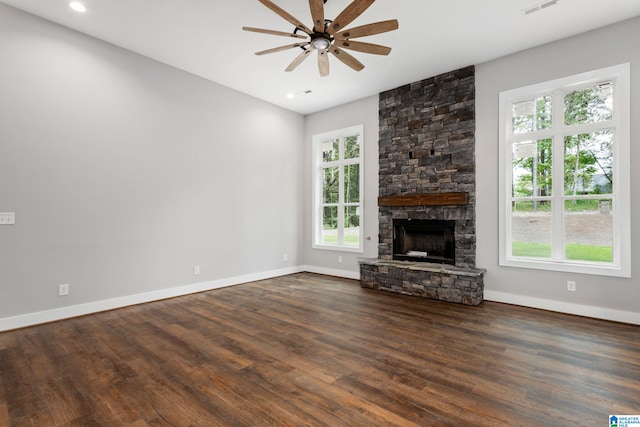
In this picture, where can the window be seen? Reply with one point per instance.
(565, 174)
(338, 189)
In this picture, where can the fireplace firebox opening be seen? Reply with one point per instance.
(424, 240)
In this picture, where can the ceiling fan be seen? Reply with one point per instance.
(328, 36)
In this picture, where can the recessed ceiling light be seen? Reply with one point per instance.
(291, 95)
(77, 6)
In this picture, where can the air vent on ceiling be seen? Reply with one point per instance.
(539, 6)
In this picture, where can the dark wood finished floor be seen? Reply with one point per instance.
(308, 350)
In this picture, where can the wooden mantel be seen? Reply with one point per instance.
(439, 199)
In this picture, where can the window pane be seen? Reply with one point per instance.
(352, 183)
(531, 115)
(531, 229)
(588, 163)
(330, 185)
(329, 225)
(331, 150)
(352, 225)
(532, 168)
(588, 233)
(352, 147)
(590, 105)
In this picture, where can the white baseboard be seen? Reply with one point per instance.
(332, 272)
(31, 319)
(564, 307)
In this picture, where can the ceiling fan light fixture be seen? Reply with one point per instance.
(321, 43)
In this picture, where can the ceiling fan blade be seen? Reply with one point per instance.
(347, 16)
(368, 30)
(280, 48)
(273, 32)
(317, 13)
(275, 8)
(323, 63)
(346, 58)
(298, 60)
(375, 49)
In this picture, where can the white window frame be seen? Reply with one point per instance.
(620, 75)
(317, 141)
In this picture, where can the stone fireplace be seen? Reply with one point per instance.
(427, 178)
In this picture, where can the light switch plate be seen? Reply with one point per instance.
(7, 218)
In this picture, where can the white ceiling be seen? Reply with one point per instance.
(204, 37)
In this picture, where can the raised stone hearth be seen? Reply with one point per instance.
(436, 281)
(427, 172)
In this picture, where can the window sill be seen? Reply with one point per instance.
(567, 267)
(338, 248)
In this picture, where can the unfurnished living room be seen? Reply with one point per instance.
(319, 213)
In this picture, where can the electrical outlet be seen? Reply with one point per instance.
(284, 257)
(571, 285)
(63, 290)
(340, 259)
(196, 270)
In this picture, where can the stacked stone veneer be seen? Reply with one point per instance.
(426, 145)
(436, 281)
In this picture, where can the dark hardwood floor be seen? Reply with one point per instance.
(307, 350)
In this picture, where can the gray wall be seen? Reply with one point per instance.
(595, 295)
(125, 173)
(364, 111)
